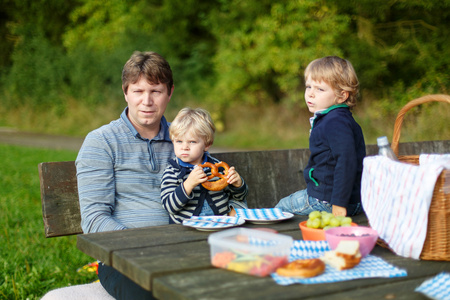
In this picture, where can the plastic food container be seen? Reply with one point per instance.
(366, 236)
(249, 251)
(313, 234)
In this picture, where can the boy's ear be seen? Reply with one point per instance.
(343, 98)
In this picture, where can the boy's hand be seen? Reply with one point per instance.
(339, 211)
(196, 177)
(233, 178)
(232, 212)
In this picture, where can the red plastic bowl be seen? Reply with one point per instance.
(313, 234)
(366, 236)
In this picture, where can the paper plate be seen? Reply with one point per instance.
(213, 223)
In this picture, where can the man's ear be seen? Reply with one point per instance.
(171, 90)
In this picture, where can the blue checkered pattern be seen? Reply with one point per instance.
(260, 213)
(369, 267)
(437, 288)
(262, 242)
(213, 221)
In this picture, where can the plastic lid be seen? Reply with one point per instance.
(382, 141)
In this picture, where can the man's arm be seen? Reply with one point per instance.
(96, 186)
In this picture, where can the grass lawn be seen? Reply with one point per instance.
(32, 264)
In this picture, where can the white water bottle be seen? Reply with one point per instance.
(384, 149)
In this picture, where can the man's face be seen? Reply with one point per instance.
(146, 105)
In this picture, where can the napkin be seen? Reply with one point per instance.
(437, 288)
(212, 221)
(369, 267)
(427, 158)
(260, 213)
(396, 198)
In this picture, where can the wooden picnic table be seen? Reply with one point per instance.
(173, 261)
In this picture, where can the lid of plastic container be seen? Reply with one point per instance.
(382, 141)
(246, 238)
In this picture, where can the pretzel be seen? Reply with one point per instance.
(302, 268)
(220, 184)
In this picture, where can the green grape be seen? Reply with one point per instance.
(316, 223)
(309, 223)
(314, 215)
(346, 221)
(334, 222)
(326, 219)
(322, 223)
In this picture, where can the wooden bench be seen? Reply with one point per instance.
(270, 176)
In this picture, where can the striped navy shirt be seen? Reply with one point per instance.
(119, 177)
(182, 206)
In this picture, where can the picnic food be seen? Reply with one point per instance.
(324, 220)
(303, 268)
(253, 264)
(345, 256)
(220, 184)
(366, 236)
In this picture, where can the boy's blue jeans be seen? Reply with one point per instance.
(300, 203)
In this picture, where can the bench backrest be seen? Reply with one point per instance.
(59, 197)
(270, 176)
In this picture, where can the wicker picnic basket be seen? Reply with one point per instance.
(437, 241)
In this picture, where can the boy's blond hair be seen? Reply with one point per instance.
(195, 120)
(336, 72)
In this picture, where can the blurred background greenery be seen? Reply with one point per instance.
(60, 62)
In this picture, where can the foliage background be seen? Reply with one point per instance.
(60, 61)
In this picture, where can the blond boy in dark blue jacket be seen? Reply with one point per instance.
(333, 173)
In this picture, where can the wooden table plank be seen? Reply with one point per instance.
(134, 261)
(219, 284)
(174, 262)
(148, 263)
(101, 245)
(222, 284)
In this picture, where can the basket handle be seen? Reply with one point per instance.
(408, 106)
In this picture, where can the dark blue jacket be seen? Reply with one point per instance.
(334, 170)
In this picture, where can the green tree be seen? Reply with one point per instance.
(34, 59)
(265, 45)
(401, 47)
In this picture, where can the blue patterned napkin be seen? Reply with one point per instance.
(437, 288)
(213, 221)
(369, 267)
(260, 213)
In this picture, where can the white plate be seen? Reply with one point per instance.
(213, 223)
(287, 216)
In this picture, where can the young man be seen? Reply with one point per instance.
(120, 165)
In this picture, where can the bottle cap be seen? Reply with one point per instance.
(382, 141)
